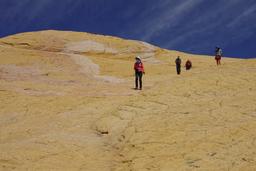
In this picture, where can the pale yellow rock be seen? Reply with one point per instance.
(67, 103)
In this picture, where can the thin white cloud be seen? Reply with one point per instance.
(25, 13)
(220, 17)
(168, 15)
(244, 15)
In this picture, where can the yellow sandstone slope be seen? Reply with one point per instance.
(67, 103)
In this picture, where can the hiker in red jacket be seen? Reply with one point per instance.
(218, 54)
(139, 71)
(188, 65)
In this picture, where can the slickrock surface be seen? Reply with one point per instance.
(68, 103)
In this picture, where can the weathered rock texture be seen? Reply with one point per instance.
(67, 103)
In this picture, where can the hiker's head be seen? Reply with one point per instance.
(138, 59)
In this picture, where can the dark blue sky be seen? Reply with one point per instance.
(195, 26)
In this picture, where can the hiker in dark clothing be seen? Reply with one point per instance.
(218, 54)
(188, 65)
(178, 65)
(139, 71)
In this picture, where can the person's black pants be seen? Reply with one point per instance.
(138, 79)
(178, 69)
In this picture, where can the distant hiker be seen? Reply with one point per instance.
(188, 65)
(218, 54)
(139, 71)
(178, 64)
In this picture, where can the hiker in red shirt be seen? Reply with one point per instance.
(139, 71)
(188, 65)
(218, 54)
